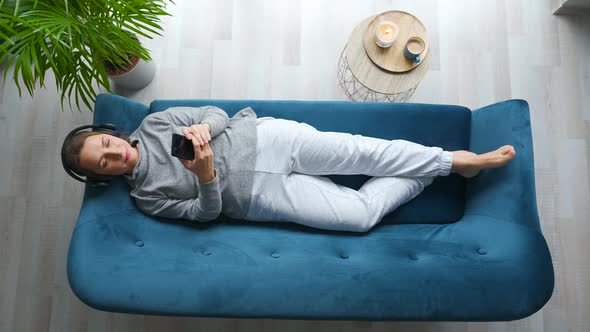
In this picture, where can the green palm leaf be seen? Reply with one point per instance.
(73, 39)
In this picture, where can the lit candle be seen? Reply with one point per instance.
(386, 33)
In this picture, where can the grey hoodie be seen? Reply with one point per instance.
(163, 187)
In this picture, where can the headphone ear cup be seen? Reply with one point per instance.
(99, 183)
(102, 184)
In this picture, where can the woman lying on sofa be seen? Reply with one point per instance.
(265, 169)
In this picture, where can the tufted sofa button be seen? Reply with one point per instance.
(275, 255)
(482, 251)
(413, 257)
(139, 243)
(206, 252)
(343, 256)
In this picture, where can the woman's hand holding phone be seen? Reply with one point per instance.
(203, 165)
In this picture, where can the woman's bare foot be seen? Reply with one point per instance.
(468, 164)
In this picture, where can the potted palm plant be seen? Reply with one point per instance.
(80, 41)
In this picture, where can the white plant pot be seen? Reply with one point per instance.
(138, 78)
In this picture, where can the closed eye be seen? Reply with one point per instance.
(104, 164)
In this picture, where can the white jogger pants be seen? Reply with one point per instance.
(291, 156)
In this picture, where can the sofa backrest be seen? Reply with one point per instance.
(446, 126)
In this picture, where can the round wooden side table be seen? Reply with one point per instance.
(363, 80)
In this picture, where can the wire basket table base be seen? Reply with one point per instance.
(356, 91)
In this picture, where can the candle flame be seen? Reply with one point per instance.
(386, 29)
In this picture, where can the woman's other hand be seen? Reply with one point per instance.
(200, 131)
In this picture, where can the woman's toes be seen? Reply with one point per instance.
(505, 149)
(507, 157)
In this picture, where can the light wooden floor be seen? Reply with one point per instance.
(483, 51)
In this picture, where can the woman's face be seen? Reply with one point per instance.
(108, 155)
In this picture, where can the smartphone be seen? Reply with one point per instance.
(182, 148)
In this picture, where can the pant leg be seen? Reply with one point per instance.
(316, 201)
(321, 153)
(279, 194)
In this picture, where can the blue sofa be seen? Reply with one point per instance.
(463, 250)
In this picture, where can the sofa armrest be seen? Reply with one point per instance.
(505, 193)
(124, 113)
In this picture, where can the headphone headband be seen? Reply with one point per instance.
(95, 181)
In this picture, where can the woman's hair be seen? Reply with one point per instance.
(73, 146)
